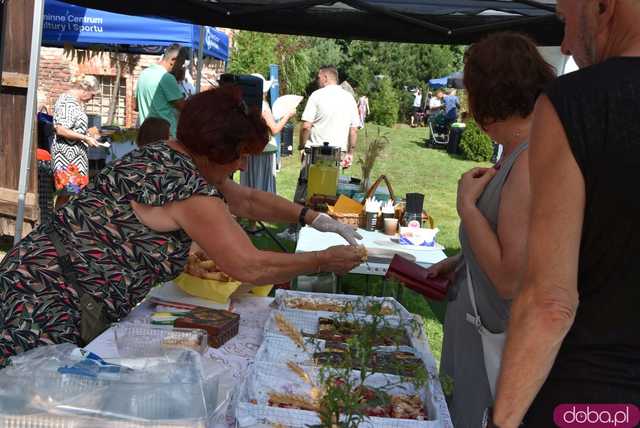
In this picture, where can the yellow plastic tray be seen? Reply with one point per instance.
(217, 291)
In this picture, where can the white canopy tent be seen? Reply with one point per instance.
(428, 21)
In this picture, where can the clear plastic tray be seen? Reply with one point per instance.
(144, 340)
(166, 391)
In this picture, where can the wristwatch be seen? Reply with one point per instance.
(487, 419)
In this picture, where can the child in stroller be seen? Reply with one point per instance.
(439, 128)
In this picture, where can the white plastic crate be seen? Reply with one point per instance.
(264, 378)
(359, 303)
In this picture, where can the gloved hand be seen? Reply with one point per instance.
(324, 223)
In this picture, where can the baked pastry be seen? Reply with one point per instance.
(199, 265)
(182, 340)
(407, 407)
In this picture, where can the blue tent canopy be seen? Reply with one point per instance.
(452, 80)
(440, 82)
(81, 27)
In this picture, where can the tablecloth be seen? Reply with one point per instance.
(237, 354)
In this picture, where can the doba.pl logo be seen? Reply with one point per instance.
(597, 415)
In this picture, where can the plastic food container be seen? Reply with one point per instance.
(144, 340)
(56, 386)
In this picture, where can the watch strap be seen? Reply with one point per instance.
(303, 214)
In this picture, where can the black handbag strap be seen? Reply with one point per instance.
(64, 260)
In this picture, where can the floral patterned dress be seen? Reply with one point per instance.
(70, 160)
(116, 258)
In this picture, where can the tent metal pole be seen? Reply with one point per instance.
(29, 115)
(200, 59)
(2, 29)
(274, 93)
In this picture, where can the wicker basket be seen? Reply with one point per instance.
(357, 220)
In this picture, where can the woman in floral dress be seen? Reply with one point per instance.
(133, 225)
(69, 149)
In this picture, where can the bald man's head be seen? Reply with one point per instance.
(599, 29)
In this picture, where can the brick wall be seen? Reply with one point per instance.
(56, 70)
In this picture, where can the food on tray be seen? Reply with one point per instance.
(340, 331)
(400, 363)
(335, 305)
(376, 403)
(198, 264)
(381, 404)
(292, 401)
(407, 407)
(318, 304)
(181, 339)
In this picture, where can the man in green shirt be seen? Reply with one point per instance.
(158, 93)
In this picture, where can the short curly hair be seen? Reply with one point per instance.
(218, 124)
(504, 74)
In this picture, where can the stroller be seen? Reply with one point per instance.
(439, 128)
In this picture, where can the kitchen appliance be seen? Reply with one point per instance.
(414, 206)
(324, 168)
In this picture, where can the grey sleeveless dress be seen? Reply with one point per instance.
(462, 359)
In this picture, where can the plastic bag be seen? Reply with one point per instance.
(64, 384)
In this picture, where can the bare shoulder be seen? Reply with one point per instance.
(520, 170)
(517, 184)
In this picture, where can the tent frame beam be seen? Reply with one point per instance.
(537, 4)
(301, 4)
(499, 25)
(362, 5)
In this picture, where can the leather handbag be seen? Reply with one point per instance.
(92, 318)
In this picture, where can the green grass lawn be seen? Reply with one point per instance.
(411, 168)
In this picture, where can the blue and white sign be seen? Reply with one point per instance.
(67, 23)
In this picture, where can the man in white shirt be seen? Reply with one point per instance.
(435, 103)
(331, 115)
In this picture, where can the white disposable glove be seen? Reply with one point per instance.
(324, 223)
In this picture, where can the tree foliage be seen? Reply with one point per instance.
(475, 144)
(299, 57)
(407, 64)
(252, 52)
(384, 103)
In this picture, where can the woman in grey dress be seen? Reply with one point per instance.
(504, 74)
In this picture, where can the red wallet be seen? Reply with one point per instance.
(415, 277)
